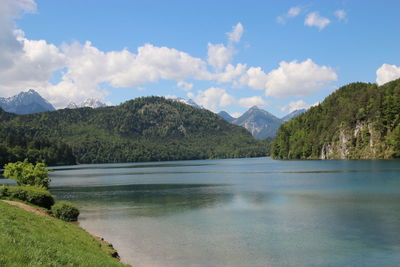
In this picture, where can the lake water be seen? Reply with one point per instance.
(241, 212)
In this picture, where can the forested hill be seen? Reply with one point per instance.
(358, 121)
(144, 129)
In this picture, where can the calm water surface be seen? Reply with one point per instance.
(241, 212)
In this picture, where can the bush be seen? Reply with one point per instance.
(36, 195)
(25, 173)
(65, 211)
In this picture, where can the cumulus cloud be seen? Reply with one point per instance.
(255, 78)
(295, 105)
(231, 74)
(387, 73)
(248, 102)
(313, 19)
(341, 15)
(212, 98)
(292, 12)
(298, 78)
(219, 55)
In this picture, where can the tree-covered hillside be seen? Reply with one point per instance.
(144, 129)
(358, 121)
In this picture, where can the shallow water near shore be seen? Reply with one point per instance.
(241, 212)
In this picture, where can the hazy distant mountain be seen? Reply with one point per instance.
(88, 103)
(25, 103)
(260, 123)
(226, 116)
(293, 114)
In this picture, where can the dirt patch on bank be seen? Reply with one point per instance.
(27, 208)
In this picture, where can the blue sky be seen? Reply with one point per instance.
(226, 55)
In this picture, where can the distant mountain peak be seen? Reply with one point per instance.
(293, 114)
(25, 103)
(260, 123)
(88, 103)
(225, 115)
(189, 102)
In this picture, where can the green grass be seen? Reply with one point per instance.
(27, 239)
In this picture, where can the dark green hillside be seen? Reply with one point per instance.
(144, 129)
(358, 121)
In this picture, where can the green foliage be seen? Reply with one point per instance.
(144, 129)
(25, 173)
(65, 211)
(375, 108)
(27, 239)
(32, 194)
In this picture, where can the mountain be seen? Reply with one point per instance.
(225, 115)
(25, 103)
(89, 103)
(260, 123)
(143, 129)
(293, 114)
(358, 121)
(189, 102)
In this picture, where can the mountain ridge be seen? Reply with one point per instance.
(25, 103)
(143, 129)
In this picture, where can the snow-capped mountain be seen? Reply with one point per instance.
(25, 103)
(189, 102)
(88, 103)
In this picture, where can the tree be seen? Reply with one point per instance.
(25, 173)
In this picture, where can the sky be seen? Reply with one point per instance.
(225, 55)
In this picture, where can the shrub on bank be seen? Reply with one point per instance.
(65, 211)
(25, 173)
(36, 195)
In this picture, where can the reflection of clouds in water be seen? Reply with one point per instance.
(244, 212)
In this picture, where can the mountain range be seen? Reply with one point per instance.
(143, 129)
(25, 103)
(88, 103)
(260, 123)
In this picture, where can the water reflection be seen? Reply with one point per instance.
(250, 212)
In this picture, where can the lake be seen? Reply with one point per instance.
(241, 212)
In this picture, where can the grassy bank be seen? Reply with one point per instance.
(27, 239)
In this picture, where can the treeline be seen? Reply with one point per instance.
(359, 120)
(144, 129)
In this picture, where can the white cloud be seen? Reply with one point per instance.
(254, 78)
(185, 86)
(313, 19)
(248, 102)
(236, 34)
(387, 73)
(295, 105)
(219, 55)
(212, 98)
(298, 78)
(292, 12)
(236, 114)
(341, 15)
(231, 73)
